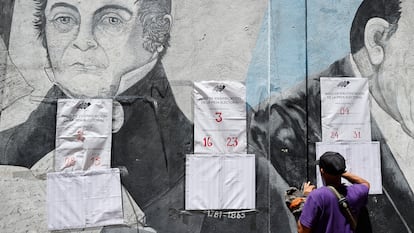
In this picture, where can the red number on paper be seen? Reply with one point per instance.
(357, 134)
(96, 160)
(70, 161)
(79, 136)
(218, 117)
(232, 141)
(344, 111)
(334, 134)
(207, 142)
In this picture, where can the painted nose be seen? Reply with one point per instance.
(85, 40)
(85, 45)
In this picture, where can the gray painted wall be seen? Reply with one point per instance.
(278, 47)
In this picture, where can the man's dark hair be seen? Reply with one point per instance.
(156, 29)
(389, 10)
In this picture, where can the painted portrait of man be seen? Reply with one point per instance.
(107, 49)
(102, 43)
(114, 49)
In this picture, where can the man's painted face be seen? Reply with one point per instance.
(91, 44)
(396, 73)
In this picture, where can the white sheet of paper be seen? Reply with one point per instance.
(220, 181)
(239, 178)
(203, 182)
(83, 134)
(345, 109)
(362, 159)
(82, 199)
(220, 117)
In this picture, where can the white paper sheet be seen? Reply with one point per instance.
(220, 117)
(83, 199)
(239, 182)
(220, 181)
(203, 182)
(345, 109)
(362, 159)
(83, 134)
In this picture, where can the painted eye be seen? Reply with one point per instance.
(64, 23)
(64, 20)
(114, 20)
(112, 23)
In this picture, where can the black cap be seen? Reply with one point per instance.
(332, 163)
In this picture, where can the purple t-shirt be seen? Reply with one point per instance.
(321, 211)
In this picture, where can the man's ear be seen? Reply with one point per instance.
(374, 38)
(168, 18)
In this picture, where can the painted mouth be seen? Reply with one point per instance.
(85, 67)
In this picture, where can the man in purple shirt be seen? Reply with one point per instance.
(321, 212)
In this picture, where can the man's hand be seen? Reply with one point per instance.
(307, 188)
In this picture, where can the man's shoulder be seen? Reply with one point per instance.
(321, 192)
(358, 190)
(340, 68)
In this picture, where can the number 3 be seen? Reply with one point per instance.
(218, 117)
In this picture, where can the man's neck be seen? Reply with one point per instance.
(332, 180)
(334, 184)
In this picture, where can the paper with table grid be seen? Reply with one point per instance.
(83, 199)
(220, 181)
(362, 158)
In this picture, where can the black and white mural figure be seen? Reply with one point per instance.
(381, 50)
(113, 49)
(102, 43)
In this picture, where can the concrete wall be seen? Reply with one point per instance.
(277, 47)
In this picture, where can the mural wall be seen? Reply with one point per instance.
(363, 45)
(146, 54)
